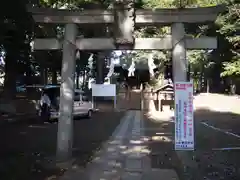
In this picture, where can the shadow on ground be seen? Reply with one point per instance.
(161, 136)
(214, 156)
(209, 161)
(27, 147)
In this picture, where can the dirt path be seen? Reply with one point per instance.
(162, 153)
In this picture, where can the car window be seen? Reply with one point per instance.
(76, 93)
(52, 93)
(76, 96)
(85, 98)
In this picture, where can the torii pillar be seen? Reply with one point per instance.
(179, 57)
(65, 125)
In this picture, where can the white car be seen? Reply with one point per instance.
(81, 107)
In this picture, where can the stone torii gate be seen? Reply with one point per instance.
(124, 17)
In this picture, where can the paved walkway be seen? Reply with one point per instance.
(124, 157)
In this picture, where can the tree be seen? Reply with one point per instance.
(14, 35)
(230, 27)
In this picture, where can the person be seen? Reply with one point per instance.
(45, 104)
(57, 102)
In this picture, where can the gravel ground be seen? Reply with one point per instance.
(213, 162)
(26, 147)
(209, 161)
(214, 159)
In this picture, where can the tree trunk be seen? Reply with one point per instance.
(100, 70)
(216, 79)
(200, 83)
(45, 76)
(232, 87)
(54, 76)
(42, 75)
(202, 79)
(207, 85)
(28, 79)
(77, 78)
(84, 78)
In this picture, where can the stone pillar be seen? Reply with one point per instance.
(124, 22)
(65, 124)
(179, 60)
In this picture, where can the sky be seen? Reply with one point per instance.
(2, 54)
(116, 61)
(118, 52)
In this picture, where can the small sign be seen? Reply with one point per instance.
(104, 90)
(184, 124)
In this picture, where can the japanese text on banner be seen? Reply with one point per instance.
(184, 129)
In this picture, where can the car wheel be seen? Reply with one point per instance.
(89, 115)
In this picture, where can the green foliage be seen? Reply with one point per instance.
(231, 68)
(199, 61)
(229, 27)
(156, 4)
(76, 4)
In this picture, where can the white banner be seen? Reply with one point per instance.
(184, 123)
